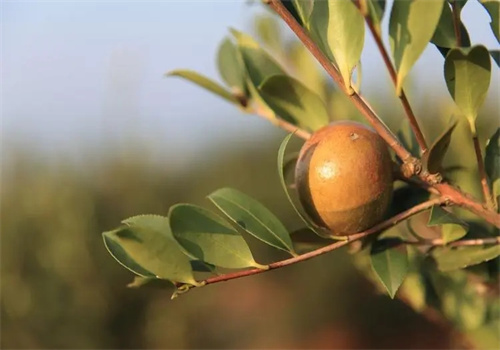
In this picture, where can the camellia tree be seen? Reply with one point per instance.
(358, 185)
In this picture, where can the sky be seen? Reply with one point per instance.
(78, 74)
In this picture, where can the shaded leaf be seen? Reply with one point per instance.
(449, 259)
(207, 237)
(204, 82)
(444, 37)
(492, 157)
(294, 102)
(269, 32)
(376, 10)
(407, 137)
(304, 9)
(318, 27)
(495, 54)
(148, 241)
(346, 35)
(433, 160)
(411, 27)
(452, 227)
(467, 73)
(389, 260)
(231, 68)
(493, 9)
(253, 217)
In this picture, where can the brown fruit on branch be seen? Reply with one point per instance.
(344, 177)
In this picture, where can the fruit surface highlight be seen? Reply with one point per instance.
(344, 177)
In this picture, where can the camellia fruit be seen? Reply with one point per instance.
(344, 177)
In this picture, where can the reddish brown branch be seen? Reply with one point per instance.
(377, 228)
(456, 22)
(392, 72)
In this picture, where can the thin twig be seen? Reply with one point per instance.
(482, 173)
(356, 99)
(283, 124)
(392, 72)
(377, 228)
(461, 243)
(456, 22)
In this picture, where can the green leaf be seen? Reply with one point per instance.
(207, 237)
(204, 82)
(376, 9)
(231, 68)
(452, 227)
(449, 259)
(407, 137)
(411, 26)
(253, 217)
(389, 260)
(414, 291)
(346, 35)
(495, 54)
(318, 27)
(147, 240)
(149, 282)
(493, 9)
(304, 9)
(434, 158)
(281, 156)
(467, 73)
(294, 102)
(492, 157)
(444, 36)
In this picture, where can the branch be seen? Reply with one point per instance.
(392, 72)
(375, 229)
(283, 124)
(461, 243)
(356, 99)
(456, 22)
(482, 173)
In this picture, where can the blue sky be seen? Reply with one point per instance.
(76, 74)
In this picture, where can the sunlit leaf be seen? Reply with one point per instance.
(318, 27)
(204, 82)
(449, 259)
(389, 260)
(294, 102)
(304, 9)
(253, 217)
(452, 228)
(346, 35)
(434, 158)
(411, 26)
(269, 32)
(281, 156)
(207, 237)
(467, 73)
(148, 241)
(231, 68)
(493, 9)
(414, 291)
(376, 9)
(149, 282)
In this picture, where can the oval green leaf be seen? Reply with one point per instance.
(433, 159)
(231, 68)
(492, 157)
(411, 27)
(346, 35)
(281, 157)
(205, 83)
(148, 241)
(452, 227)
(318, 27)
(493, 9)
(444, 37)
(467, 73)
(304, 9)
(449, 259)
(253, 217)
(294, 102)
(207, 237)
(389, 260)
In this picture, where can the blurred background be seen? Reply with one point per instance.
(92, 133)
